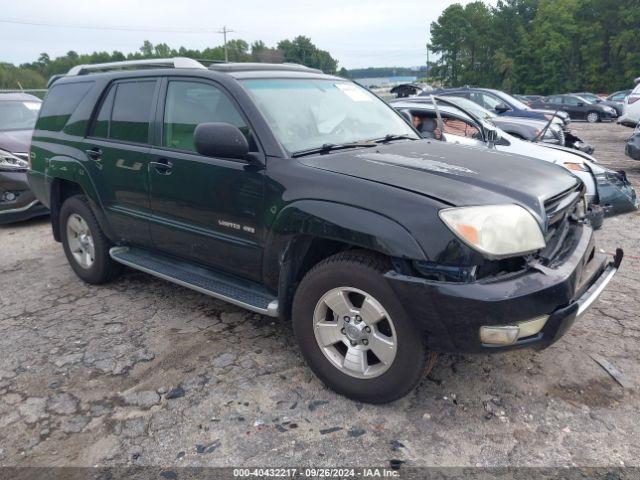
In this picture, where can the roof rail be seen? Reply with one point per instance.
(177, 62)
(258, 66)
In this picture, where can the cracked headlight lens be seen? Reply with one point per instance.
(495, 230)
(8, 161)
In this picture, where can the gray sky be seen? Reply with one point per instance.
(358, 33)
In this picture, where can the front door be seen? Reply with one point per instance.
(205, 209)
(119, 150)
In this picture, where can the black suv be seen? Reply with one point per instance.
(302, 195)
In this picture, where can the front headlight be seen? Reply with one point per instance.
(8, 161)
(495, 230)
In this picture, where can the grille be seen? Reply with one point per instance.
(559, 209)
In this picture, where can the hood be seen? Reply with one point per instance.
(453, 174)
(15, 141)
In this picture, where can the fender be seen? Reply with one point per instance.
(302, 221)
(72, 170)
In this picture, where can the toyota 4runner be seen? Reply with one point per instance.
(302, 195)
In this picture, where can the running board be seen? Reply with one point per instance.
(240, 292)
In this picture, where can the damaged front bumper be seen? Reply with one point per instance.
(451, 314)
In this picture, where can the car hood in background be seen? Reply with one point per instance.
(15, 141)
(454, 174)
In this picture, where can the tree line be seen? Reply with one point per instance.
(299, 50)
(539, 46)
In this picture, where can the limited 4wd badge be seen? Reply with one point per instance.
(236, 226)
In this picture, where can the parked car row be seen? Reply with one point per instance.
(304, 196)
(18, 113)
(460, 121)
(507, 106)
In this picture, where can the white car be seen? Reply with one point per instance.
(631, 113)
(607, 192)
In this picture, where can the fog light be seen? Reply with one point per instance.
(532, 327)
(509, 334)
(499, 335)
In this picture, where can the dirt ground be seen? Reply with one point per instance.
(143, 372)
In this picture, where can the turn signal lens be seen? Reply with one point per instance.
(578, 167)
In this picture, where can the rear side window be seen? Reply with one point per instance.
(60, 103)
(125, 113)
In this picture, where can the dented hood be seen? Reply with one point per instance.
(453, 174)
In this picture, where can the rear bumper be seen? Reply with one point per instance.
(450, 315)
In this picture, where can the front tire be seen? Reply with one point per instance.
(593, 117)
(84, 243)
(353, 331)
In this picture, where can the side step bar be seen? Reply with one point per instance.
(219, 285)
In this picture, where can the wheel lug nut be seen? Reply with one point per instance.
(342, 331)
(358, 319)
(347, 319)
(367, 329)
(353, 343)
(365, 342)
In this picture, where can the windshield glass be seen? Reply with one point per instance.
(309, 113)
(18, 115)
(513, 101)
(472, 107)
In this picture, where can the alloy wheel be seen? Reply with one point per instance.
(593, 117)
(355, 332)
(80, 241)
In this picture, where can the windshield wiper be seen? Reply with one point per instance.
(390, 137)
(330, 147)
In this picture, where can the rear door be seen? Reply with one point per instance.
(206, 210)
(118, 148)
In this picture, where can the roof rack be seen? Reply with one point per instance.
(252, 66)
(177, 62)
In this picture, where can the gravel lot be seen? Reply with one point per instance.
(143, 372)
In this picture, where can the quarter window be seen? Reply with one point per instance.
(60, 103)
(189, 104)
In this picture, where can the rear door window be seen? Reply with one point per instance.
(132, 110)
(60, 103)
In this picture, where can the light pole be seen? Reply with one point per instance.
(224, 32)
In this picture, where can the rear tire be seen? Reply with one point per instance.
(593, 117)
(382, 352)
(84, 243)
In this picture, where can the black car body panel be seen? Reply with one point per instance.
(577, 107)
(273, 216)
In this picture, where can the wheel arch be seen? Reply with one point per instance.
(308, 231)
(68, 177)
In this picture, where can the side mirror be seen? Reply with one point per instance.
(501, 108)
(492, 135)
(220, 140)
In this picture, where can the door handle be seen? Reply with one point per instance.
(94, 154)
(162, 166)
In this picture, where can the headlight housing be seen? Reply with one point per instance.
(496, 231)
(9, 161)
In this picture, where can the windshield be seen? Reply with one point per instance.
(309, 113)
(18, 115)
(513, 101)
(473, 107)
